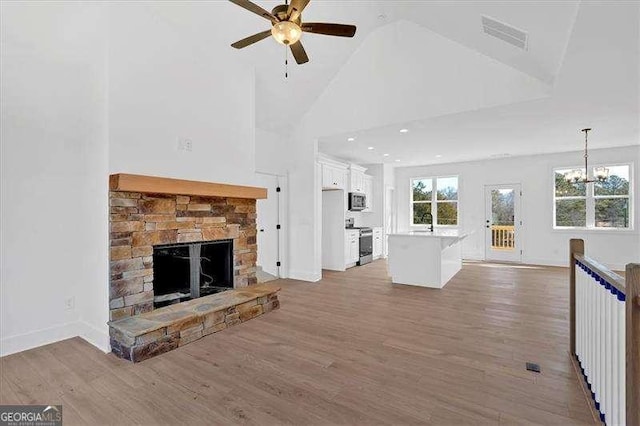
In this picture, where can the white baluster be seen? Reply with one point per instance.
(615, 347)
(578, 312)
(589, 309)
(592, 333)
(621, 363)
(608, 371)
(603, 345)
(597, 372)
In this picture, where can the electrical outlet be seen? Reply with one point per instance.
(185, 144)
(69, 303)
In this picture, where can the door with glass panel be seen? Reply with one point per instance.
(503, 223)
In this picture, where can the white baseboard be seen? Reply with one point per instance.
(305, 276)
(96, 337)
(22, 342)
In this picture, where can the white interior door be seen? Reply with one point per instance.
(503, 223)
(266, 222)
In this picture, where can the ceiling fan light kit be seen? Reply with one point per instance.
(286, 32)
(287, 27)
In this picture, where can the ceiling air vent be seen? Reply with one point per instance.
(505, 32)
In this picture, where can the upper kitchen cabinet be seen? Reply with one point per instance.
(334, 174)
(368, 192)
(356, 178)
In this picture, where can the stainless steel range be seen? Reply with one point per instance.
(366, 242)
(366, 246)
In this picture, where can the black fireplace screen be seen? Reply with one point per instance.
(188, 271)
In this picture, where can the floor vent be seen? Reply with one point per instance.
(533, 367)
(505, 32)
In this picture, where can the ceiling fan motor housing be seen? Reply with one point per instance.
(281, 12)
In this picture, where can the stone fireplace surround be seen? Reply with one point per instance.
(148, 211)
(140, 221)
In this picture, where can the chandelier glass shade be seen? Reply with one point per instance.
(600, 174)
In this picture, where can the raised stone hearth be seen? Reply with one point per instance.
(147, 335)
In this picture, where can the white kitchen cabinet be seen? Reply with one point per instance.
(356, 178)
(377, 243)
(333, 177)
(351, 247)
(368, 192)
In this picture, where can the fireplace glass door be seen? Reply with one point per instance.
(187, 271)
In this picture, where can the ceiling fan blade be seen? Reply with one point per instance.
(251, 39)
(299, 53)
(295, 8)
(252, 7)
(339, 30)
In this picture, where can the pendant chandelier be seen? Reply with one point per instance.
(600, 174)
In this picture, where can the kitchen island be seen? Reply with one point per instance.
(425, 258)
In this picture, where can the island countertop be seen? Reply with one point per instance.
(437, 233)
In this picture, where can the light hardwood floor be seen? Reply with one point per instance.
(351, 349)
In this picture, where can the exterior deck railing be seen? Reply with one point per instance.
(503, 237)
(605, 335)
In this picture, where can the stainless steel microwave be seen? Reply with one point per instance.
(357, 201)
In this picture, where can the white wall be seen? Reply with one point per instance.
(271, 152)
(541, 244)
(54, 174)
(305, 206)
(171, 78)
(90, 89)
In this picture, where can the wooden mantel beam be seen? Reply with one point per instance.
(161, 185)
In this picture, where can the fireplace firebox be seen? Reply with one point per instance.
(187, 271)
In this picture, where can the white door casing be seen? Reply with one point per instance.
(503, 223)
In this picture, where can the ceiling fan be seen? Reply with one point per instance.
(287, 27)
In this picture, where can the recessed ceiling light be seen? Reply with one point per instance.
(438, 156)
(385, 155)
(397, 161)
(371, 148)
(404, 130)
(351, 139)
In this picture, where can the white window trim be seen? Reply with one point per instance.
(590, 198)
(433, 201)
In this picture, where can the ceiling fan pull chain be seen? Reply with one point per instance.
(286, 62)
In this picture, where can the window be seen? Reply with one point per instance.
(594, 205)
(435, 197)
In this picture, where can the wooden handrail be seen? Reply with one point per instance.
(611, 277)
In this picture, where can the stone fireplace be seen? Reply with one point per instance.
(141, 221)
(183, 262)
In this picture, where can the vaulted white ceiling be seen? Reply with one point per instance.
(404, 72)
(402, 37)
(587, 77)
